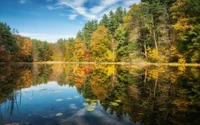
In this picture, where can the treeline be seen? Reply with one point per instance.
(16, 48)
(153, 31)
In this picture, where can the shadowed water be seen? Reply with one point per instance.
(44, 94)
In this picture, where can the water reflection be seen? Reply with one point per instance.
(144, 95)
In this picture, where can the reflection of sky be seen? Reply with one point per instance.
(50, 85)
(39, 105)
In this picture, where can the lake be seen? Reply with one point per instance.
(70, 94)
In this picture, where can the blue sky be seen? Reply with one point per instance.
(53, 19)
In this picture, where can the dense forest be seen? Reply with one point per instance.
(151, 31)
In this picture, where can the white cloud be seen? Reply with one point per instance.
(72, 16)
(53, 7)
(130, 2)
(47, 37)
(95, 12)
(77, 6)
(103, 5)
(107, 5)
(107, 11)
(97, 9)
(72, 3)
(22, 1)
(61, 14)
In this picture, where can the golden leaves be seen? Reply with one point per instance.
(153, 54)
(100, 44)
(180, 15)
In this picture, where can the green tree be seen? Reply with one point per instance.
(69, 54)
(112, 22)
(41, 51)
(122, 48)
(185, 14)
(8, 46)
(79, 35)
(105, 21)
(87, 31)
(112, 26)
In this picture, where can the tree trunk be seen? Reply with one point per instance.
(156, 83)
(145, 75)
(113, 48)
(154, 34)
(170, 31)
(113, 77)
(145, 51)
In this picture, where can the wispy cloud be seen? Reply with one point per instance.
(72, 16)
(61, 14)
(130, 2)
(77, 6)
(103, 5)
(47, 37)
(72, 3)
(49, 7)
(96, 12)
(22, 1)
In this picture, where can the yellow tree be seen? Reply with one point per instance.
(56, 52)
(25, 48)
(100, 79)
(100, 45)
(80, 77)
(80, 50)
(181, 17)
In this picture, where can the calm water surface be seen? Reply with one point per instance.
(99, 95)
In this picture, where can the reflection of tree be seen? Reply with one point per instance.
(41, 73)
(100, 81)
(77, 75)
(159, 102)
(123, 85)
(187, 101)
(109, 83)
(153, 95)
(150, 95)
(147, 94)
(12, 78)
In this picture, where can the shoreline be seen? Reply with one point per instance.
(108, 63)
